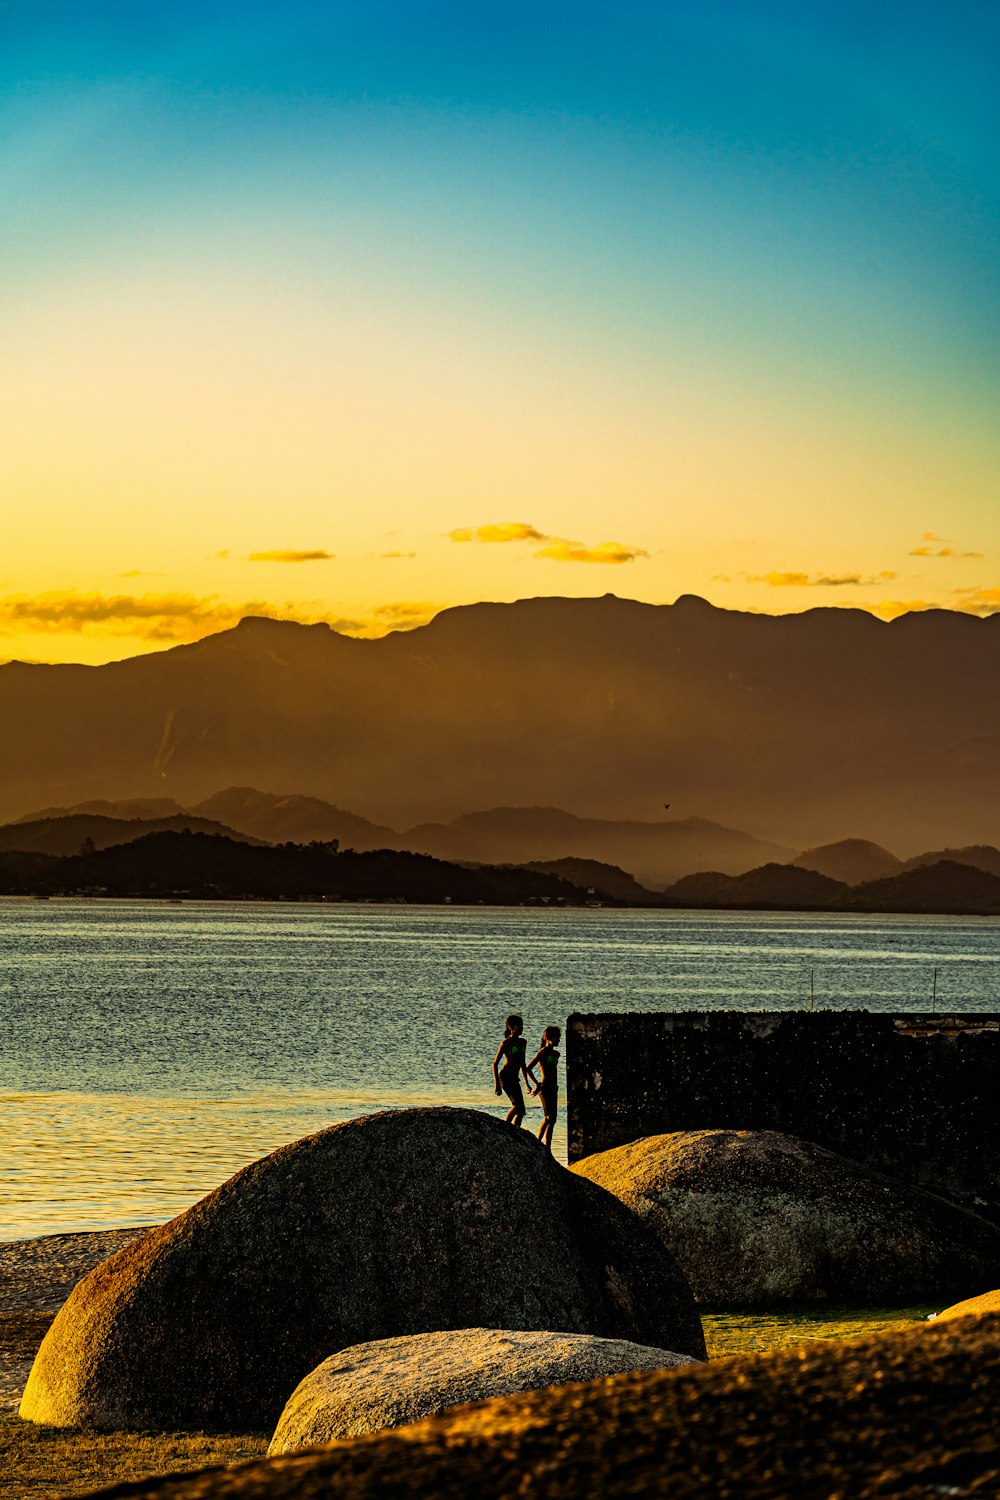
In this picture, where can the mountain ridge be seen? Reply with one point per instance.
(797, 728)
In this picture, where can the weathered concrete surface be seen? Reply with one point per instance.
(909, 1415)
(396, 1381)
(398, 1223)
(912, 1096)
(755, 1217)
(989, 1302)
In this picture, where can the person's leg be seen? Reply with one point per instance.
(515, 1114)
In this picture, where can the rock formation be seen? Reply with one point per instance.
(989, 1302)
(903, 1414)
(405, 1222)
(756, 1217)
(395, 1381)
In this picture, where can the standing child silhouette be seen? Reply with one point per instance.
(508, 1065)
(547, 1059)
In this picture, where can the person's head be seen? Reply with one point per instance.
(552, 1036)
(514, 1026)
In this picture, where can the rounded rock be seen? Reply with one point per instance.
(989, 1302)
(756, 1217)
(393, 1382)
(411, 1221)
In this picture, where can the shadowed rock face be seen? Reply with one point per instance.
(757, 1217)
(907, 1414)
(397, 1223)
(396, 1381)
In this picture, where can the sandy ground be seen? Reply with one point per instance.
(36, 1277)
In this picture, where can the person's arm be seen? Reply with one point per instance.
(529, 1075)
(496, 1066)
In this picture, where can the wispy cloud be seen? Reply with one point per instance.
(560, 549)
(162, 617)
(791, 580)
(941, 552)
(556, 548)
(177, 618)
(290, 555)
(498, 531)
(978, 601)
(397, 554)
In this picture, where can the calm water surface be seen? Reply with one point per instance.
(148, 1050)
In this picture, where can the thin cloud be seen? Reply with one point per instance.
(157, 617)
(498, 531)
(290, 555)
(174, 619)
(397, 554)
(979, 601)
(560, 549)
(790, 580)
(941, 552)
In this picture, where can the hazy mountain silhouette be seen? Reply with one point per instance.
(803, 728)
(279, 819)
(654, 853)
(125, 809)
(66, 835)
(980, 856)
(772, 885)
(944, 887)
(594, 875)
(850, 861)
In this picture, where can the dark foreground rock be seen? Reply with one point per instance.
(396, 1381)
(904, 1415)
(755, 1217)
(398, 1223)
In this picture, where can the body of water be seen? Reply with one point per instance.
(148, 1050)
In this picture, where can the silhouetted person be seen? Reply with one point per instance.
(547, 1060)
(508, 1065)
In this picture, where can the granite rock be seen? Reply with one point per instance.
(410, 1221)
(756, 1217)
(395, 1381)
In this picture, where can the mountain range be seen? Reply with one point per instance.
(800, 729)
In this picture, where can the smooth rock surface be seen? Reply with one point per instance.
(405, 1222)
(395, 1381)
(756, 1217)
(909, 1414)
(989, 1302)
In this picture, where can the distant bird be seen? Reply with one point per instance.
(666, 806)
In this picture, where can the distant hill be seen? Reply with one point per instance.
(944, 887)
(654, 853)
(980, 856)
(65, 835)
(798, 727)
(772, 885)
(850, 861)
(281, 819)
(593, 875)
(212, 867)
(126, 809)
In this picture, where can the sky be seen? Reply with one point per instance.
(361, 309)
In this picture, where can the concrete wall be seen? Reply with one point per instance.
(915, 1096)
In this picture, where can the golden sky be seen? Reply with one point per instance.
(356, 327)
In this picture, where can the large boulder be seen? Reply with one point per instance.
(904, 1414)
(398, 1223)
(396, 1381)
(989, 1302)
(755, 1217)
